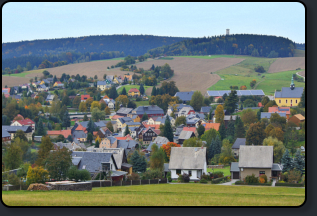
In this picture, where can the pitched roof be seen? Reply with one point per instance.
(256, 156)
(205, 109)
(268, 115)
(287, 110)
(184, 96)
(208, 126)
(65, 133)
(14, 129)
(277, 167)
(102, 83)
(185, 135)
(133, 123)
(127, 144)
(100, 124)
(124, 119)
(185, 110)
(238, 143)
(155, 127)
(118, 154)
(299, 116)
(234, 167)
(84, 97)
(5, 133)
(50, 97)
(115, 117)
(124, 110)
(25, 121)
(287, 92)
(79, 134)
(151, 109)
(187, 158)
(193, 129)
(159, 141)
(134, 90)
(112, 139)
(80, 128)
(239, 93)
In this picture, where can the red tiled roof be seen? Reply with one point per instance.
(260, 104)
(276, 109)
(129, 137)
(84, 97)
(193, 129)
(65, 133)
(134, 90)
(208, 126)
(152, 126)
(80, 127)
(25, 122)
(115, 117)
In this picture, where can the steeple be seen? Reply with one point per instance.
(292, 84)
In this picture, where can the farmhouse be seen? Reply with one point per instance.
(184, 135)
(186, 111)
(123, 111)
(102, 85)
(134, 92)
(6, 137)
(185, 96)
(236, 146)
(178, 108)
(257, 160)
(13, 129)
(108, 142)
(149, 134)
(280, 110)
(289, 96)
(268, 115)
(83, 98)
(189, 160)
(55, 133)
(24, 122)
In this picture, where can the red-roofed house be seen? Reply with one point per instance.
(193, 129)
(286, 110)
(24, 122)
(83, 98)
(115, 117)
(156, 126)
(208, 126)
(148, 135)
(81, 128)
(127, 137)
(134, 92)
(54, 134)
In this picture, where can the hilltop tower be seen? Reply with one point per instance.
(292, 84)
(227, 31)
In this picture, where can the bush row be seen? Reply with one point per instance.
(217, 180)
(290, 184)
(243, 183)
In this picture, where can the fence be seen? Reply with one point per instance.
(215, 166)
(96, 183)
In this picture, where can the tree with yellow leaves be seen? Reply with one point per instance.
(219, 114)
(82, 107)
(107, 111)
(37, 175)
(95, 104)
(89, 102)
(123, 99)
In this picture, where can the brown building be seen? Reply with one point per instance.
(297, 119)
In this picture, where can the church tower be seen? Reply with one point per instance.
(292, 84)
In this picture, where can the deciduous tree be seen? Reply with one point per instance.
(58, 163)
(197, 100)
(278, 147)
(255, 135)
(219, 114)
(45, 147)
(168, 147)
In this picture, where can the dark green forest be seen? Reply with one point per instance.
(80, 49)
(300, 46)
(239, 44)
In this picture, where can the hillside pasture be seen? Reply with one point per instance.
(192, 73)
(161, 195)
(287, 64)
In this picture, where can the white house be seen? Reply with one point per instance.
(189, 160)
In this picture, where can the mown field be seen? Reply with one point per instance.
(286, 64)
(209, 57)
(225, 170)
(161, 195)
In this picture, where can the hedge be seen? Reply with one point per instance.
(290, 184)
(217, 180)
(261, 184)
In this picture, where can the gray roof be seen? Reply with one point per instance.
(180, 106)
(187, 158)
(118, 155)
(127, 144)
(287, 92)
(234, 167)
(151, 109)
(101, 83)
(184, 96)
(133, 123)
(100, 124)
(50, 97)
(277, 167)
(109, 77)
(42, 86)
(268, 115)
(205, 109)
(79, 134)
(126, 165)
(5, 133)
(124, 110)
(14, 129)
(256, 156)
(239, 93)
(112, 139)
(185, 135)
(228, 117)
(92, 160)
(84, 123)
(125, 119)
(159, 141)
(76, 160)
(163, 118)
(238, 143)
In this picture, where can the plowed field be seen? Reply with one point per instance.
(287, 64)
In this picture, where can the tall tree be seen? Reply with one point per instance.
(168, 132)
(197, 100)
(138, 162)
(124, 91)
(248, 116)
(89, 137)
(66, 120)
(141, 89)
(219, 114)
(107, 111)
(85, 117)
(153, 93)
(90, 126)
(45, 147)
(168, 147)
(58, 163)
(209, 135)
(113, 93)
(222, 131)
(299, 161)
(256, 134)
(21, 135)
(231, 102)
(145, 117)
(287, 162)
(156, 158)
(97, 144)
(127, 130)
(278, 148)
(12, 156)
(302, 99)
(180, 120)
(239, 131)
(230, 129)
(40, 128)
(200, 130)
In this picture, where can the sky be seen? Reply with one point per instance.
(49, 20)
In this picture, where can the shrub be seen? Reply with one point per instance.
(134, 176)
(169, 179)
(152, 174)
(205, 177)
(204, 181)
(262, 180)
(284, 177)
(290, 184)
(219, 174)
(218, 180)
(138, 99)
(281, 182)
(180, 178)
(294, 176)
(263, 177)
(186, 177)
(251, 179)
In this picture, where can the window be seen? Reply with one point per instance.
(178, 171)
(190, 173)
(279, 101)
(291, 101)
(262, 172)
(296, 101)
(286, 101)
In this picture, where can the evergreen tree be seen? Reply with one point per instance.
(299, 161)
(210, 114)
(287, 162)
(141, 89)
(127, 131)
(90, 126)
(230, 129)
(217, 146)
(158, 91)
(124, 91)
(89, 137)
(54, 79)
(222, 131)
(70, 138)
(85, 118)
(40, 128)
(97, 144)
(110, 126)
(49, 126)
(239, 131)
(241, 107)
(259, 113)
(224, 96)
(231, 102)
(302, 99)
(153, 93)
(214, 148)
(200, 130)
(66, 120)
(144, 117)
(168, 132)
(138, 162)
(113, 93)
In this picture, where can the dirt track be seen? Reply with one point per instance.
(302, 73)
(286, 64)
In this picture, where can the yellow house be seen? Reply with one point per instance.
(131, 124)
(289, 96)
(115, 80)
(134, 92)
(136, 118)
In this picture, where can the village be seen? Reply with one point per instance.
(230, 137)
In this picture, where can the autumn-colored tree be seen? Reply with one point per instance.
(37, 175)
(278, 133)
(268, 129)
(168, 146)
(265, 100)
(278, 148)
(82, 107)
(95, 104)
(123, 99)
(248, 116)
(45, 147)
(157, 158)
(89, 102)
(107, 111)
(219, 114)
(269, 104)
(255, 135)
(243, 87)
(58, 162)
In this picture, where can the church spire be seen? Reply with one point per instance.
(292, 84)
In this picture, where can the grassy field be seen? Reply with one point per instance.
(128, 87)
(161, 195)
(225, 170)
(210, 57)
(108, 59)
(26, 73)
(141, 103)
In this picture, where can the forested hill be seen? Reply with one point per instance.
(300, 46)
(96, 47)
(239, 44)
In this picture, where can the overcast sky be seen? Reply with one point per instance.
(30, 21)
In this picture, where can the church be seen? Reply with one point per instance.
(289, 96)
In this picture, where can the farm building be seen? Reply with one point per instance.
(297, 119)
